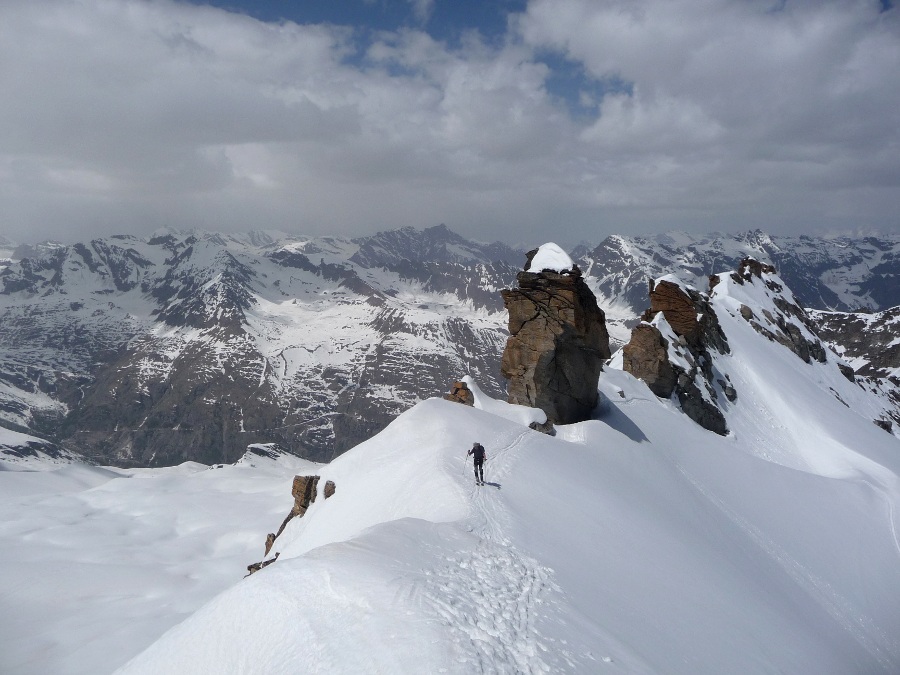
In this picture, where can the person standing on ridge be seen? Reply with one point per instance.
(478, 457)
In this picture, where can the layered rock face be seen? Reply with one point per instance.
(558, 342)
(669, 351)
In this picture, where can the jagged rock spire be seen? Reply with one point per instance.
(669, 350)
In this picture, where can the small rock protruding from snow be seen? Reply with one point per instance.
(460, 393)
(256, 567)
(329, 488)
(304, 493)
(885, 423)
(549, 257)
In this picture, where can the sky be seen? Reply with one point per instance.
(517, 120)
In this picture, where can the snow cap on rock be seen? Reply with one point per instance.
(550, 257)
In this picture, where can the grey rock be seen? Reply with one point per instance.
(330, 487)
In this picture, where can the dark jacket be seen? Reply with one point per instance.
(478, 451)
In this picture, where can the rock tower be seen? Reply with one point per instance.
(558, 338)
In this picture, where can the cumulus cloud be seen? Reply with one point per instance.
(767, 108)
(422, 9)
(125, 115)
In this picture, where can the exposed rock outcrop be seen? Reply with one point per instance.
(460, 393)
(689, 314)
(670, 351)
(558, 342)
(782, 325)
(329, 489)
(256, 567)
(545, 427)
(645, 357)
(304, 493)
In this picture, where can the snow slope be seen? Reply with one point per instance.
(96, 563)
(636, 542)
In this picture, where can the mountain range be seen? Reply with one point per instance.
(194, 345)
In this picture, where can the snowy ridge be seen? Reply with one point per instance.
(648, 551)
(635, 542)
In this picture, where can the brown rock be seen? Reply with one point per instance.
(545, 428)
(698, 334)
(753, 267)
(646, 358)
(460, 393)
(677, 307)
(304, 492)
(558, 342)
(329, 488)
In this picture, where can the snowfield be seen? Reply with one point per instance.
(635, 542)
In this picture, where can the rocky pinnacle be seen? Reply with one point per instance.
(558, 342)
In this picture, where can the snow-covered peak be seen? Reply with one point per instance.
(551, 257)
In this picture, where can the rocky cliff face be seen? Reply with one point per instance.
(678, 348)
(558, 342)
(670, 351)
(646, 357)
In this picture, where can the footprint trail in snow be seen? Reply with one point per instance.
(489, 595)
